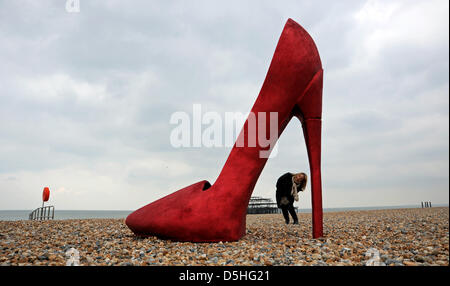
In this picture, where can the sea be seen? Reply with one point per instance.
(12, 215)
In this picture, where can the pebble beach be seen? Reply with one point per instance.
(400, 237)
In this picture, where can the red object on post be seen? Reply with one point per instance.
(46, 194)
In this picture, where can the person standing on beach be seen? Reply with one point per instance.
(288, 187)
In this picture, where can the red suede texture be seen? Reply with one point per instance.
(292, 87)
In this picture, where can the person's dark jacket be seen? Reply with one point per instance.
(284, 188)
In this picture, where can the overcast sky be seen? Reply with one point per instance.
(86, 98)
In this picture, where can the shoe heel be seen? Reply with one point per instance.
(309, 112)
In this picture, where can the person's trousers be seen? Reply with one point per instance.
(289, 209)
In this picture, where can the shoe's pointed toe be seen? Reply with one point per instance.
(190, 214)
(161, 218)
(142, 221)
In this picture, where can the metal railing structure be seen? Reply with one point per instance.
(43, 213)
(260, 205)
(426, 204)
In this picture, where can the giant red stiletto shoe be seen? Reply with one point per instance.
(203, 212)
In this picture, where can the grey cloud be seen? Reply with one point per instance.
(92, 94)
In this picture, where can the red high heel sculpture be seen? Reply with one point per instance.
(209, 213)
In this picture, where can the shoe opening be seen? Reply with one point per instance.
(206, 186)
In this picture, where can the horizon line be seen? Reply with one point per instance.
(408, 205)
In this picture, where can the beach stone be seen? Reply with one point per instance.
(384, 257)
(348, 235)
(126, 264)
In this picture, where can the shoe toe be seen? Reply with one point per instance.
(164, 216)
